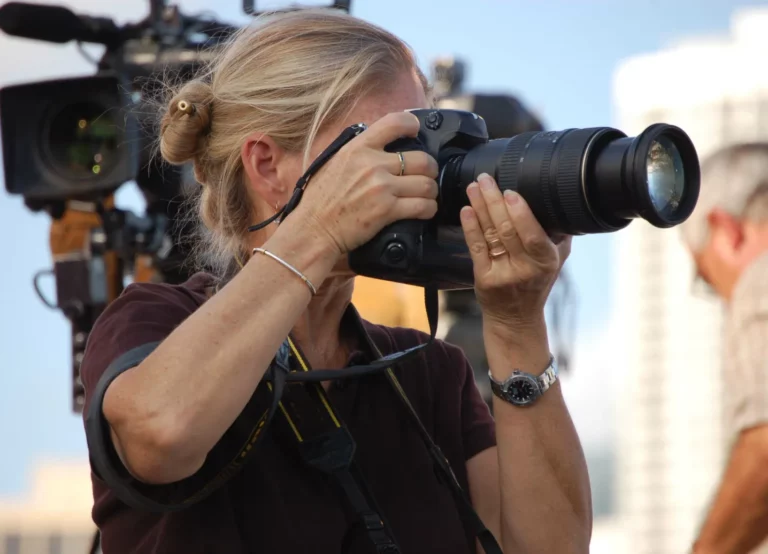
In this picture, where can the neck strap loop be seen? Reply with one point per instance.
(347, 135)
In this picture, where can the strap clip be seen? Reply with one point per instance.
(372, 521)
(330, 452)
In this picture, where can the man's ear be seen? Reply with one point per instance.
(262, 158)
(727, 232)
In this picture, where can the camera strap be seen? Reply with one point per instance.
(332, 451)
(348, 134)
(325, 444)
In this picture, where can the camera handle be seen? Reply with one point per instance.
(87, 277)
(93, 245)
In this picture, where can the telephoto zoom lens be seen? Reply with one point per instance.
(582, 181)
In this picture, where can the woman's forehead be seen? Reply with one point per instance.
(406, 94)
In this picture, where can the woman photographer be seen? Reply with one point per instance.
(274, 99)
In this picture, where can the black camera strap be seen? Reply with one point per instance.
(332, 452)
(325, 444)
(348, 134)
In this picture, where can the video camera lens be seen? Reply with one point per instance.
(82, 141)
(581, 181)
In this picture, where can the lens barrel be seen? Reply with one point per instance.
(581, 181)
(81, 141)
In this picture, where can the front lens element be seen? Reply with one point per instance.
(666, 177)
(83, 141)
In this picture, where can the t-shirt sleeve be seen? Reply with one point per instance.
(477, 425)
(749, 366)
(145, 314)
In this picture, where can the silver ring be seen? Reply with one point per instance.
(402, 164)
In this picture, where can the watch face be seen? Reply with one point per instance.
(522, 389)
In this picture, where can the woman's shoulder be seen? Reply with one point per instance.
(162, 298)
(143, 313)
(158, 305)
(195, 289)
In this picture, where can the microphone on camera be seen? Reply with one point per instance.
(56, 24)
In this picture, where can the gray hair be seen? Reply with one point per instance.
(734, 179)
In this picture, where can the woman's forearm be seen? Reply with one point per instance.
(545, 493)
(167, 413)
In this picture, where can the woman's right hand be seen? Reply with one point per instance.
(359, 191)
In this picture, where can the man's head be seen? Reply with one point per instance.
(728, 229)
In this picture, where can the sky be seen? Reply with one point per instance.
(557, 56)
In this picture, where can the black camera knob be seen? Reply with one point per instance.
(395, 252)
(434, 120)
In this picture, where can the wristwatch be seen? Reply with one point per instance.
(524, 389)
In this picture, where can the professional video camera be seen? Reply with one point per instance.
(69, 144)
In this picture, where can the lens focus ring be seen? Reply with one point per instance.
(565, 182)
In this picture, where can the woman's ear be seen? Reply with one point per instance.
(262, 160)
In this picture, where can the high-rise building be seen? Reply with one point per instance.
(671, 447)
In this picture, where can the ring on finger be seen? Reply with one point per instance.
(402, 164)
(496, 248)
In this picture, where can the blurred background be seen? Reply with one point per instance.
(643, 382)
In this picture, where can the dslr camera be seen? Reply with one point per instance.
(576, 181)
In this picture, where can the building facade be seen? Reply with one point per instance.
(671, 448)
(54, 517)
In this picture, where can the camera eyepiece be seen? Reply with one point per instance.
(581, 181)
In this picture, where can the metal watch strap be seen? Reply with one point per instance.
(548, 378)
(545, 380)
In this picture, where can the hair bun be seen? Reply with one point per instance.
(186, 123)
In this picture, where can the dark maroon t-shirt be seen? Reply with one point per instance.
(276, 504)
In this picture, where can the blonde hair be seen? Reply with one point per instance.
(288, 76)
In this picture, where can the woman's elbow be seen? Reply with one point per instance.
(156, 449)
(156, 459)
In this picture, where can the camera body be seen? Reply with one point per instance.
(433, 252)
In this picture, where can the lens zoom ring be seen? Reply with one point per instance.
(546, 180)
(510, 160)
(569, 202)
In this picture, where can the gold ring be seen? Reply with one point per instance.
(496, 253)
(402, 164)
(496, 248)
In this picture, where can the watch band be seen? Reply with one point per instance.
(534, 386)
(548, 378)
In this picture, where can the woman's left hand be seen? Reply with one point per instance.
(515, 262)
